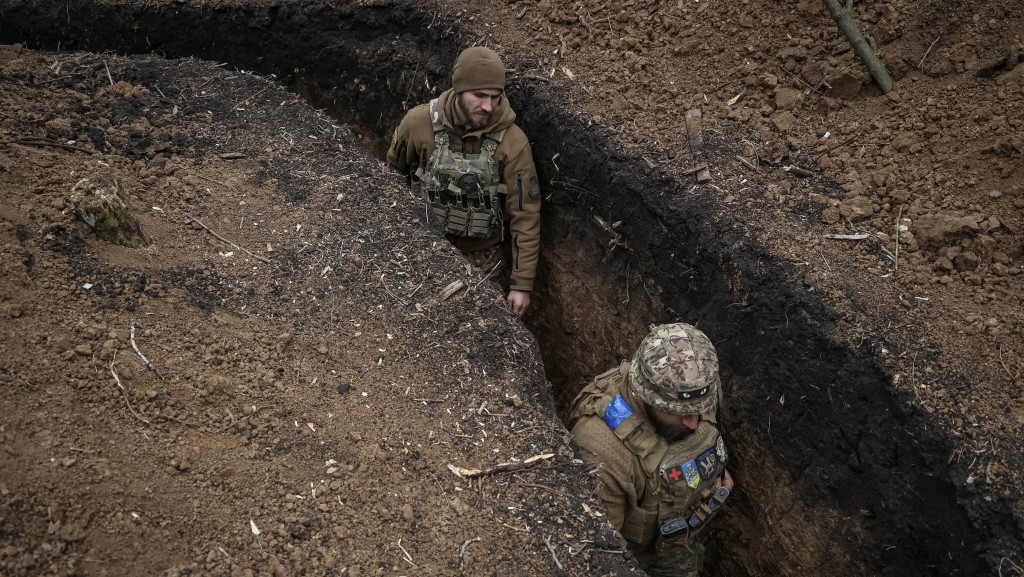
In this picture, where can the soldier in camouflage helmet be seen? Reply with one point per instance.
(650, 426)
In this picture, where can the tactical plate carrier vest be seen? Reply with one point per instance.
(463, 190)
(681, 493)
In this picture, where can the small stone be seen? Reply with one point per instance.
(787, 98)
(966, 261)
(944, 264)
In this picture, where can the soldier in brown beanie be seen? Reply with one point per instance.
(650, 425)
(464, 155)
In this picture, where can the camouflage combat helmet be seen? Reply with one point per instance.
(676, 370)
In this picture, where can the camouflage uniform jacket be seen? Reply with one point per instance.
(414, 142)
(630, 487)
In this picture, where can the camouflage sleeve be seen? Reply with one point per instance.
(615, 490)
(523, 207)
(683, 562)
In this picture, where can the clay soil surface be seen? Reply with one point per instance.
(275, 380)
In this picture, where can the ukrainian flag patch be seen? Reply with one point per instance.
(618, 410)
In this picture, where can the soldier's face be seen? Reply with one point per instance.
(670, 426)
(475, 106)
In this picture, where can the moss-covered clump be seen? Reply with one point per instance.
(97, 201)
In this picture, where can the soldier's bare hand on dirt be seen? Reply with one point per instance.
(519, 301)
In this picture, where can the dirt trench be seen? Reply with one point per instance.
(835, 470)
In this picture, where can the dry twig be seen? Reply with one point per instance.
(1016, 567)
(547, 541)
(224, 240)
(44, 142)
(896, 257)
(694, 169)
(124, 391)
(135, 348)
(801, 81)
(388, 291)
(440, 488)
(843, 143)
(1012, 376)
(462, 550)
(746, 162)
(801, 172)
(920, 64)
(242, 420)
(406, 555)
(499, 468)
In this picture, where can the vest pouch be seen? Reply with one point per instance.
(640, 527)
(438, 208)
(473, 205)
(689, 473)
(479, 222)
(458, 220)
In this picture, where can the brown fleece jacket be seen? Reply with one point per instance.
(413, 143)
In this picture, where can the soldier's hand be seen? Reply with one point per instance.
(726, 481)
(519, 301)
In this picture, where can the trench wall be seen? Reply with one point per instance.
(839, 479)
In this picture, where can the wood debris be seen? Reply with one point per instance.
(499, 468)
(451, 289)
(696, 141)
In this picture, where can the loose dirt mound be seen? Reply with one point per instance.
(308, 380)
(307, 384)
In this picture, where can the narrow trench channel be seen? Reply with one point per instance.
(833, 480)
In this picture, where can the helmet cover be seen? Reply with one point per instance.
(676, 370)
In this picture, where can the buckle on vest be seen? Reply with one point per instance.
(674, 527)
(717, 498)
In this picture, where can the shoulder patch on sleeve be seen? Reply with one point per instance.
(534, 188)
(618, 410)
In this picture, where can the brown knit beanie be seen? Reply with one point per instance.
(478, 68)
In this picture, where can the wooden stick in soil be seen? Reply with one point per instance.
(226, 241)
(499, 468)
(44, 142)
(547, 541)
(920, 65)
(828, 150)
(124, 391)
(1008, 373)
(896, 258)
(462, 550)
(747, 163)
(860, 45)
(135, 348)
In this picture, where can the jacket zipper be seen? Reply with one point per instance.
(519, 189)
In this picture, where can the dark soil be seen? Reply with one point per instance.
(308, 380)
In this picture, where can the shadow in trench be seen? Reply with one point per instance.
(839, 478)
